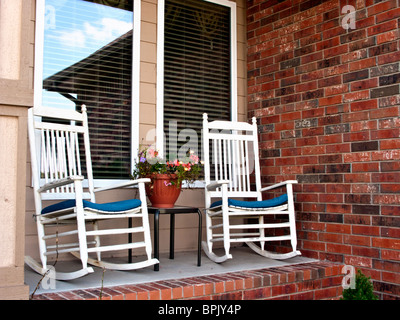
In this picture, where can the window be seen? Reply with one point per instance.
(196, 69)
(85, 56)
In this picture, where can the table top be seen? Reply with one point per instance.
(175, 209)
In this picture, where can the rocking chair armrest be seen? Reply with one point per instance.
(278, 185)
(123, 184)
(60, 183)
(216, 184)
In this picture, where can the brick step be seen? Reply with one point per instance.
(307, 281)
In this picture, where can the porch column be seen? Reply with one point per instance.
(16, 95)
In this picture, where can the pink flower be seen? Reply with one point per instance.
(152, 153)
(194, 158)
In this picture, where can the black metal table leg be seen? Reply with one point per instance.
(156, 238)
(172, 236)
(199, 240)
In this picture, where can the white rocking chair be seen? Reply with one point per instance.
(234, 159)
(57, 176)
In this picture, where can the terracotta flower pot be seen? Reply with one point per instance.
(163, 191)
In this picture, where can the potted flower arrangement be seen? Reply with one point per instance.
(166, 176)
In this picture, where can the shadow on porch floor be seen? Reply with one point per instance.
(181, 278)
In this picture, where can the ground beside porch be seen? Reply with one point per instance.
(247, 276)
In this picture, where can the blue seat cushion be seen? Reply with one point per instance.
(105, 207)
(254, 205)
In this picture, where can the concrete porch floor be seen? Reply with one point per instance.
(184, 265)
(269, 277)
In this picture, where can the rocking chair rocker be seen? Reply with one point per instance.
(57, 174)
(233, 159)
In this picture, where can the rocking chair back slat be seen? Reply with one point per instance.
(233, 150)
(59, 151)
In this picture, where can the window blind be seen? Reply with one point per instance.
(88, 60)
(197, 64)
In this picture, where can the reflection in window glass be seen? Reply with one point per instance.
(197, 70)
(87, 59)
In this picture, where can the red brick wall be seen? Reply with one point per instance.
(327, 101)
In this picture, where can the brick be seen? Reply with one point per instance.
(311, 85)
(290, 64)
(388, 15)
(357, 240)
(309, 4)
(391, 79)
(381, 7)
(355, 55)
(336, 69)
(128, 294)
(326, 82)
(390, 188)
(338, 89)
(390, 233)
(383, 48)
(357, 198)
(335, 51)
(365, 167)
(392, 199)
(363, 125)
(306, 123)
(386, 69)
(362, 44)
(356, 136)
(362, 64)
(389, 123)
(385, 133)
(366, 252)
(364, 84)
(359, 261)
(390, 166)
(393, 244)
(385, 91)
(330, 158)
(389, 58)
(357, 219)
(328, 62)
(340, 128)
(358, 178)
(383, 27)
(314, 169)
(333, 32)
(353, 36)
(328, 43)
(364, 146)
(336, 218)
(393, 222)
(366, 230)
(387, 37)
(386, 177)
(338, 248)
(358, 95)
(363, 105)
(357, 75)
(337, 168)
(384, 113)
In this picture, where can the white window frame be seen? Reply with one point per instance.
(135, 112)
(160, 67)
